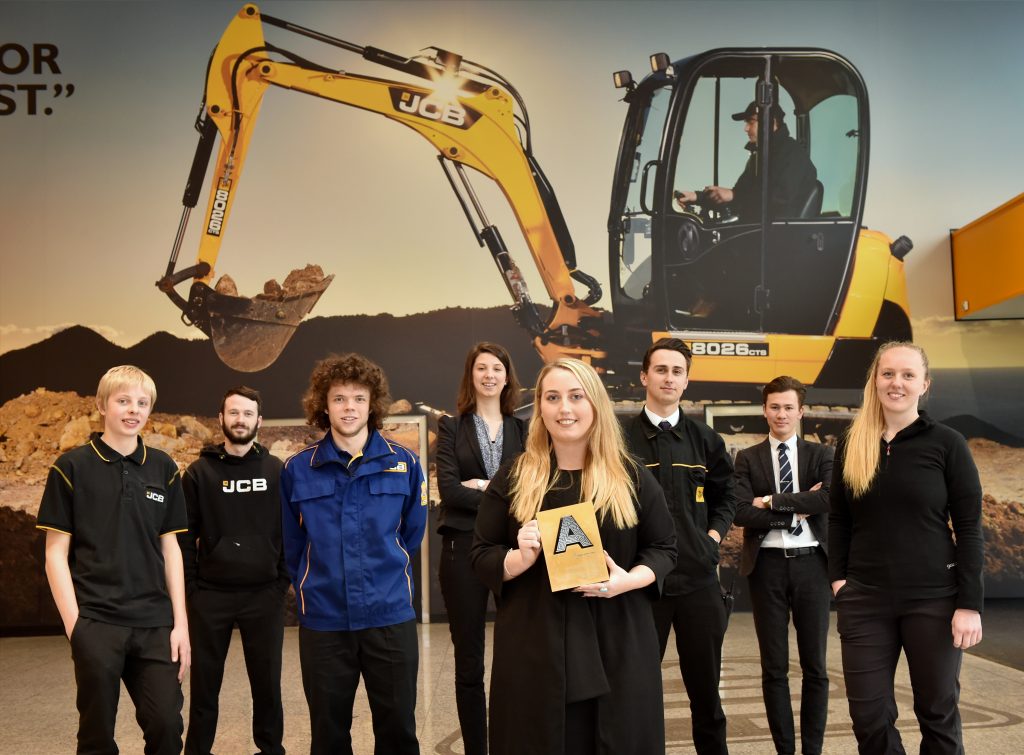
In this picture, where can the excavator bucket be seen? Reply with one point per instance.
(250, 334)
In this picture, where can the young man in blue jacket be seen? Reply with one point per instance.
(354, 509)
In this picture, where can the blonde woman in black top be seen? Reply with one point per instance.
(901, 577)
(575, 671)
(470, 448)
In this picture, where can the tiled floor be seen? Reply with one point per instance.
(37, 712)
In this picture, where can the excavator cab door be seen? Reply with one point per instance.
(776, 257)
(811, 235)
(631, 223)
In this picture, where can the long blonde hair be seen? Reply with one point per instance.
(862, 438)
(606, 469)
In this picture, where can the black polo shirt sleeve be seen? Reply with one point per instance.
(176, 517)
(56, 512)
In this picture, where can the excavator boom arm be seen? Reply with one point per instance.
(469, 119)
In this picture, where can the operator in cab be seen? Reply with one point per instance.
(792, 179)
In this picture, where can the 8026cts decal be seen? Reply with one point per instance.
(728, 349)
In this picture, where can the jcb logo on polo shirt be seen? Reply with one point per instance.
(245, 486)
(399, 467)
(155, 496)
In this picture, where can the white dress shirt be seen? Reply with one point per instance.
(672, 419)
(780, 538)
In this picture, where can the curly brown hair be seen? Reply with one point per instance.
(345, 368)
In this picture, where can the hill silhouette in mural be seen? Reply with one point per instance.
(972, 427)
(422, 354)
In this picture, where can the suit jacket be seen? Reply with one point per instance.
(755, 477)
(459, 458)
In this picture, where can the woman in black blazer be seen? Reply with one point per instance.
(470, 448)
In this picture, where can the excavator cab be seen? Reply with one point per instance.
(760, 280)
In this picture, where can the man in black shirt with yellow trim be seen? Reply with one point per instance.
(111, 509)
(235, 573)
(691, 463)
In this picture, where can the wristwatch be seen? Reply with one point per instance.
(766, 500)
(480, 485)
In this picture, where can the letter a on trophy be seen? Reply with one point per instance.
(572, 546)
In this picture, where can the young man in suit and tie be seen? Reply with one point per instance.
(781, 496)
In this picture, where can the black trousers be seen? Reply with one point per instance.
(332, 662)
(104, 655)
(873, 627)
(212, 614)
(699, 620)
(465, 600)
(779, 585)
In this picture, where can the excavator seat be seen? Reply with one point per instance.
(811, 207)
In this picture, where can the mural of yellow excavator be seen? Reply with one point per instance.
(759, 289)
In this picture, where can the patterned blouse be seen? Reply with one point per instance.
(489, 449)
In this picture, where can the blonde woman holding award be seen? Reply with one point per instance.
(575, 670)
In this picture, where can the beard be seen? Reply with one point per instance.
(239, 436)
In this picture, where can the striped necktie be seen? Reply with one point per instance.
(786, 481)
(785, 470)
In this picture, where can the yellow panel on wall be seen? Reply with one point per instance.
(988, 264)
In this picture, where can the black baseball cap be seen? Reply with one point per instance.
(751, 111)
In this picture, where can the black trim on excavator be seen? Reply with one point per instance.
(850, 355)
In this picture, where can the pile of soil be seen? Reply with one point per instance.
(37, 427)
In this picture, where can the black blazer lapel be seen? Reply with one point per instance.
(512, 440)
(764, 456)
(803, 452)
(468, 436)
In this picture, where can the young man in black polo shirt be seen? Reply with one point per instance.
(693, 466)
(235, 573)
(111, 510)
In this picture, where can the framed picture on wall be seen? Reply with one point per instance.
(743, 425)
(740, 425)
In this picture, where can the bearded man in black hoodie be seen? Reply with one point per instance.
(235, 573)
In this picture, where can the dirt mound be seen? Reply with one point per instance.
(39, 426)
(1002, 512)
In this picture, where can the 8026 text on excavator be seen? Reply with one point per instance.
(734, 286)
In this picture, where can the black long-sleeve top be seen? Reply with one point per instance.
(697, 478)
(897, 537)
(554, 648)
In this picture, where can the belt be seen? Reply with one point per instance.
(793, 552)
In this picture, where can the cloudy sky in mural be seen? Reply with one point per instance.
(90, 195)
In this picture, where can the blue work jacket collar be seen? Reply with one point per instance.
(377, 455)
